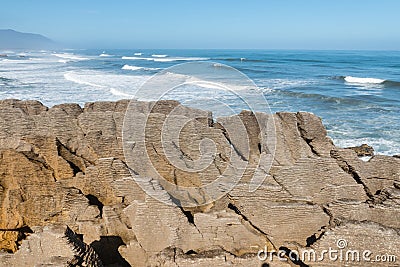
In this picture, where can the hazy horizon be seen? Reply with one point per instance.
(342, 25)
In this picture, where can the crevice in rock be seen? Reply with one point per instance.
(191, 252)
(75, 162)
(183, 154)
(86, 255)
(115, 128)
(75, 169)
(238, 212)
(23, 233)
(93, 200)
(332, 222)
(188, 214)
(312, 239)
(216, 165)
(289, 254)
(175, 178)
(281, 185)
(226, 135)
(160, 155)
(23, 229)
(174, 169)
(396, 185)
(129, 168)
(107, 249)
(206, 254)
(352, 171)
(37, 159)
(387, 193)
(226, 251)
(302, 134)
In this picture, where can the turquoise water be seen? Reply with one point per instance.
(357, 93)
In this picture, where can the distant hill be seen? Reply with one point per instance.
(10, 39)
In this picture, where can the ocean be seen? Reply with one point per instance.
(356, 93)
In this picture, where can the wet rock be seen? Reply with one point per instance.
(363, 151)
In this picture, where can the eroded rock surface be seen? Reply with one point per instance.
(66, 165)
(52, 245)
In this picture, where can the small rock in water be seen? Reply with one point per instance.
(363, 150)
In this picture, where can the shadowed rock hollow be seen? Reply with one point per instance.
(65, 166)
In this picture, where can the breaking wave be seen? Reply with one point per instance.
(368, 81)
(119, 93)
(129, 67)
(351, 79)
(167, 59)
(70, 56)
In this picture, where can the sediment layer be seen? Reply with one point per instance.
(63, 169)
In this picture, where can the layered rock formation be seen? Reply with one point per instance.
(65, 165)
(52, 245)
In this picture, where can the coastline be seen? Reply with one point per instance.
(355, 92)
(66, 166)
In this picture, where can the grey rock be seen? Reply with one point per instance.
(70, 165)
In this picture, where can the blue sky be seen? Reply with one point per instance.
(260, 24)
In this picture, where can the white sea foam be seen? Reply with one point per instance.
(283, 83)
(156, 55)
(183, 79)
(180, 59)
(104, 55)
(209, 85)
(119, 93)
(70, 56)
(98, 81)
(87, 79)
(128, 67)
(137, 54)
(351, 79)
(384, 146)
(365, 158)
(131, 58)
(72, 77)
(169, 59)
(7, 52)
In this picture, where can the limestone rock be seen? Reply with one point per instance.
(281, 184)
(357, 244)
(363, 150)
(52, 245)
